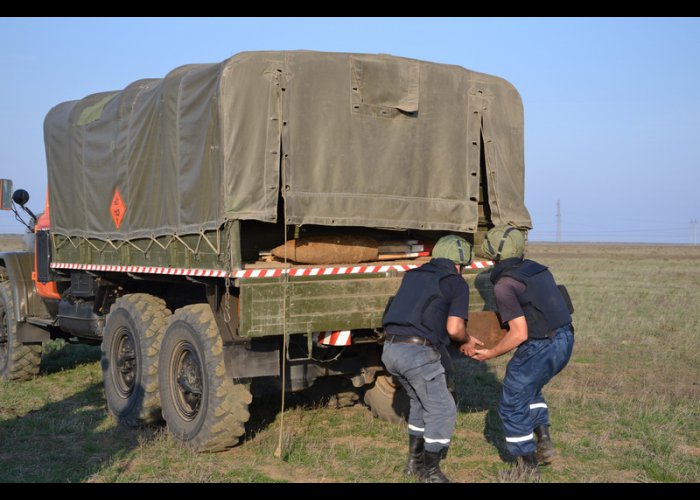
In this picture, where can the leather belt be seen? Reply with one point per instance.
(407, 339)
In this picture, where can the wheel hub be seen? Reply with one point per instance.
(187, 381)
(125, 363)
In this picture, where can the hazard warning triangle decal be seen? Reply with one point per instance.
(117, 208)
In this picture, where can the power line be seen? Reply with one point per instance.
(558, 222)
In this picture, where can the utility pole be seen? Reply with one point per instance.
(558, 222)
(693, 228)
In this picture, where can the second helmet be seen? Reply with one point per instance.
(503, 242)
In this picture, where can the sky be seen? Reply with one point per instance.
(612, 105)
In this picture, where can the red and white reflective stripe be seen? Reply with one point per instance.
(480, 264)
(319, 271)
(213, 273)
(251, 273)
(338, 337)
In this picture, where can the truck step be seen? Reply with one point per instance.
(43, 322)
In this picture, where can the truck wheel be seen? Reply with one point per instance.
(388, 399)
(204, 409)
(17, 361)
(132, 336)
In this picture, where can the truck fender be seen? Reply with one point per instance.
(19, 267)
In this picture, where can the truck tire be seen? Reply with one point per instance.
(132, 336)
(17, 361)
(388, 400)
(203, 408)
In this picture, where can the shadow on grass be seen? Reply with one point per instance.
(478, 389)
(61, 441)
(326, 392)
(493, 432)
(265, 406)
(58, 355)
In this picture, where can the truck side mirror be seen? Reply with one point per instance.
(21, 197)
(5, 194)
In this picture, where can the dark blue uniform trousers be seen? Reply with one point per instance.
(433, 411)
(522, 406)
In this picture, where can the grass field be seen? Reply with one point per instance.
(11, 242)
(626, 408)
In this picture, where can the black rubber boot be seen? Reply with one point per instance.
(416, 463)
(524, 469)
(433, 474)
(545, 449)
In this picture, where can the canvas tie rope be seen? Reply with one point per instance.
(285, 285)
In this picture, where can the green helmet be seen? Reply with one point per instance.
(454, 248)
(503, 242)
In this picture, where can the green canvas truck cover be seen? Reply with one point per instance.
(346, 139)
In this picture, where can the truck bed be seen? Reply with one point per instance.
(338, 297)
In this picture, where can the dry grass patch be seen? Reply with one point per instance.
(626, 409)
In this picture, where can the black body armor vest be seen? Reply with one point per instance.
(542, 302)
(419, 302)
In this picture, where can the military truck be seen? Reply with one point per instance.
(166, 199)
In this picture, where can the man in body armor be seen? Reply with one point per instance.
(539, 325)
(428, 311)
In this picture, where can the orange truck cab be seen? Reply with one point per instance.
(45, 289)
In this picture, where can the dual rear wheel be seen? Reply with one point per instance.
(161, 366)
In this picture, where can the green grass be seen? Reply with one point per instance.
(626, 409)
